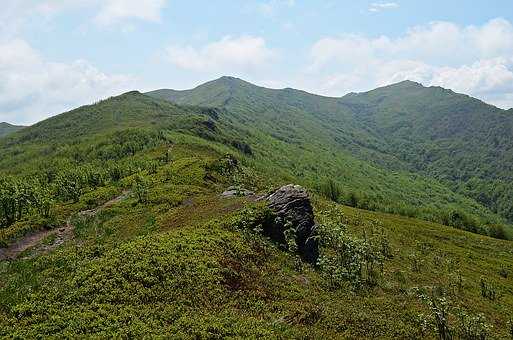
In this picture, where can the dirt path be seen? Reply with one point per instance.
(62, 234)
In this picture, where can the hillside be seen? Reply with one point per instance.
(6, 128)
(112, 224)
(452, 137)
(83, 133)
(423, 147)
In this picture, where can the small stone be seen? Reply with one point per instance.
(236, 192)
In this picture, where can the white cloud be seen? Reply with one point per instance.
(379, 6)
(16, 14)
(114, 11)
(32, 88)
(473, 59)
(229, 53)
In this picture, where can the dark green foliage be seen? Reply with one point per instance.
(461, 220)
(498, 231)
(331, 190)
(402, 149)
(242, 147)
(20, 197)
(351, 200)
(6, 129)
(503, 272)
(125, 143)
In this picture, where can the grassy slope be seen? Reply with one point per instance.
(448, 136)
(6, 128)
(174, 264)
(321, 137)
(89, 125)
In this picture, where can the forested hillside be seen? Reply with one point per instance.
(454, 138)
(6, 128)
(115, 222)
(419, 151)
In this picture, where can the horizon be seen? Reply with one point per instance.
(257, 85)
(58, 55)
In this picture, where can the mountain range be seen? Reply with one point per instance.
(148, 215)
(405, 148)
(406, 129)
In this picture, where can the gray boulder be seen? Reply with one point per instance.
(236, 192)
(292, 208)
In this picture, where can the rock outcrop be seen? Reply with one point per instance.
(236, 191)
(292, 209)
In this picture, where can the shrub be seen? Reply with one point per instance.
(416, 261)
(331, 190)
(497, 231)
(472, 327)
(345, 257)
(488, 290)
(438, 307)
(351, 200)
(99, 196)
(400, 276)
(242, 147)
(460, 220)
(140, 188)
(503, 272)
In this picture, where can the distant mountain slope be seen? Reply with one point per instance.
(288, 135)
(77, 132)
(428, 125)
(131, 109)
(458, 140)
(6, 128)
(448, 136)
(355, 140)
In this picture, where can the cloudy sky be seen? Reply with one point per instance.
(59, 54)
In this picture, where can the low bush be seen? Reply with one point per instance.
(347, 258)
(331, 190)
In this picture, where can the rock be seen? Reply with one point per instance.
(292, 208)
(188, 202)
(236, 192)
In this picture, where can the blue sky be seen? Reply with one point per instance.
(56, 54)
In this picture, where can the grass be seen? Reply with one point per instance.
(175, 259)
(363, 143)
(176, 266)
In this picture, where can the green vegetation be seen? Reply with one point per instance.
(402, 149)
(6, 128)
(156, 251)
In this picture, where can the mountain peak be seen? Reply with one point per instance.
(406, 84)
(228, 81)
